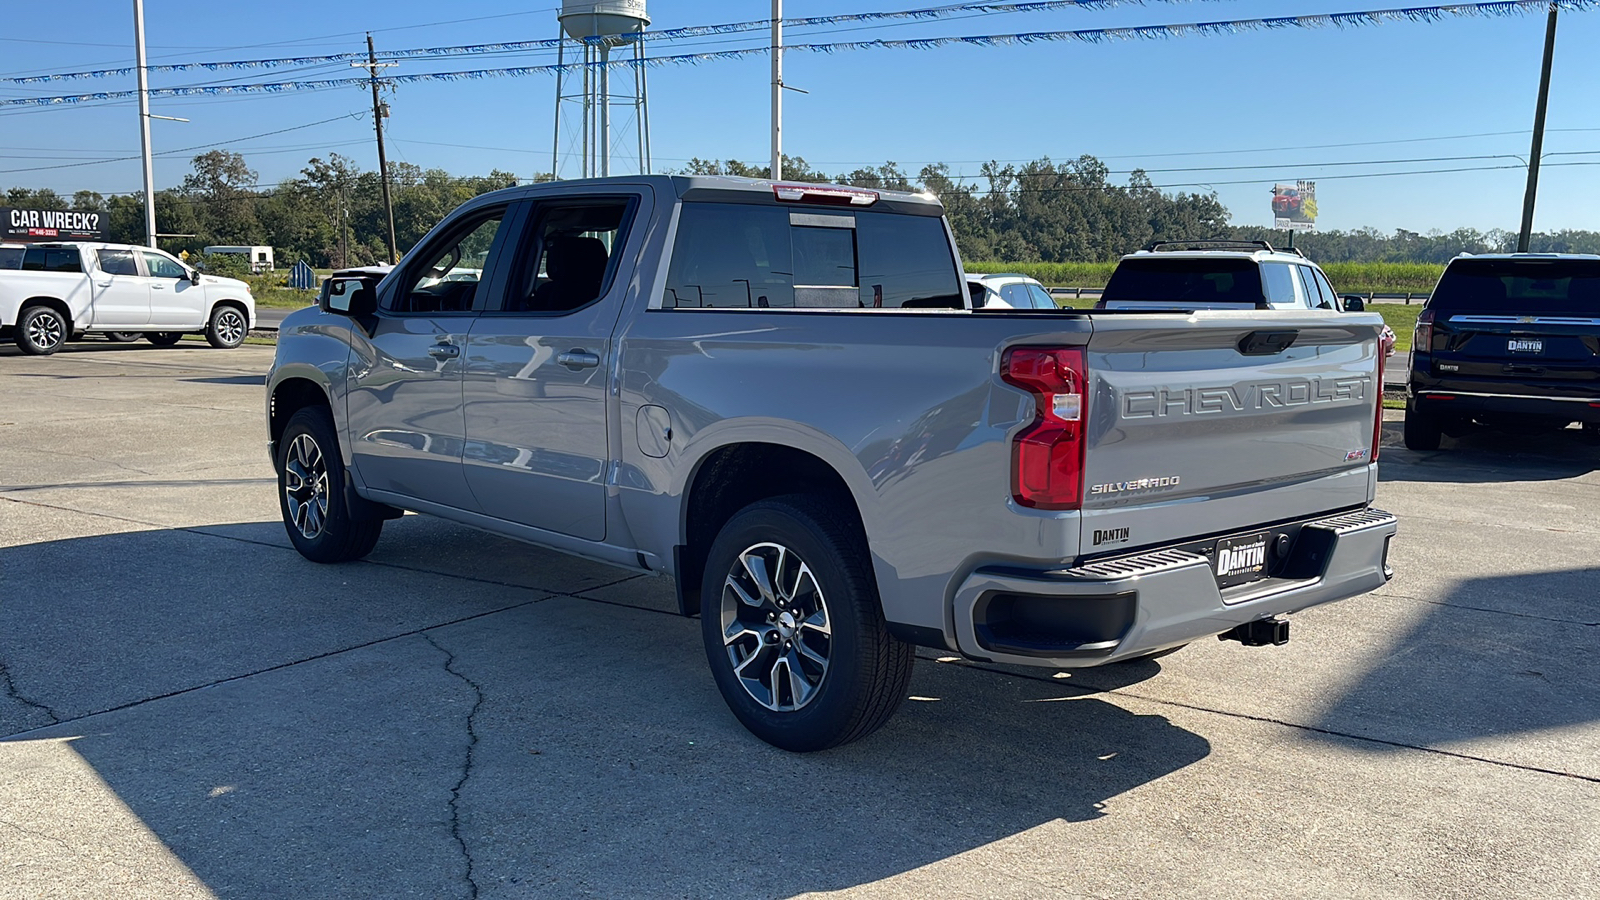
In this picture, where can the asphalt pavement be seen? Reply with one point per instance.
(190, 709)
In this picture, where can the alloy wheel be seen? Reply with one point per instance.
(775, 627)
(230, 326)
(45, 331)
(305, 486)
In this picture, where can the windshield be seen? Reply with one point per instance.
(1514, 286)
(1186, 281)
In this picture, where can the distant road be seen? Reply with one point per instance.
(268, 318)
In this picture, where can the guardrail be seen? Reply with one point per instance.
(1413, 297)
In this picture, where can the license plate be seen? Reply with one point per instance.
(1240, 560)
(1523, 345)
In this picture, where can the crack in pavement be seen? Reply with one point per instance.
(1484, 609)
(10, 689)
(38, 834)
(466, 767)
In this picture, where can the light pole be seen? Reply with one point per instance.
(777, 90)
(144, 126)
(1525, 237)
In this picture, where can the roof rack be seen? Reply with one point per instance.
(1217, 244)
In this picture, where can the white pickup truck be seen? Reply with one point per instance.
(62, 290)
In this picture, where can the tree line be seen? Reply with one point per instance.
(331, 214)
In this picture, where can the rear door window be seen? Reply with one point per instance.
(1282, 285)
(52, 259)
(1562, 287)
(569, 255)
(1313, 291)
(118, 262)
(754, 256)
(10, 257)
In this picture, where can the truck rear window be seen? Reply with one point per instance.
(746, 256)
(1191, 280)
(10, 257)
(1511, 286)
(51, 259)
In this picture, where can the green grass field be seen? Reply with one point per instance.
(1351, 278)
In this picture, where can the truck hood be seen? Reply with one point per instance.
(232, 284)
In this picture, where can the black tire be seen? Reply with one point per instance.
(227, 327)
(164, 338)
(1422, 429)
(867, 670)
(123, 337)
(41, 330)
(315, 517)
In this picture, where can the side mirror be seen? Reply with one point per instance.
(348, 297)
(194, 276)
(1353, 303)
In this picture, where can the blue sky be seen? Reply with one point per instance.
(1160, 105)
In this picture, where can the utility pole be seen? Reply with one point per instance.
(1525, 237)
(777, 90)
(372, 66)
(144, 126)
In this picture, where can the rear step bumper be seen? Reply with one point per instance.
(1108, 611)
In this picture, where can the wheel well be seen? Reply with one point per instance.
(736, 476)
(53, 303)
(236, 304)
(288, 398)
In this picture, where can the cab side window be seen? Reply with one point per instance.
(118, 262)
(162, 266)
(10, 257)
(570, 255)
(446, 277)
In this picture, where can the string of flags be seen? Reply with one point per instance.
(672, 34)
(1359, 19)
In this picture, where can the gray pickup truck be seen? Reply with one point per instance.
(778, 395)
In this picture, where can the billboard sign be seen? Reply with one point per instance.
(24, 225)
(1294, 206)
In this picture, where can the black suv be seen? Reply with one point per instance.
(1507, 341)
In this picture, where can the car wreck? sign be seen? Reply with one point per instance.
(51, 225)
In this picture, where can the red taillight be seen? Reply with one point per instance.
(1047, 462)
(1422, 338)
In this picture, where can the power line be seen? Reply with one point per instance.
(96, 162)
(1500, 8)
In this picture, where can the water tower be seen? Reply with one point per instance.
(590, 30)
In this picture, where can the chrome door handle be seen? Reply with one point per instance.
(579, 359)
(444, 351)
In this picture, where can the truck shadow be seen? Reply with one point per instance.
(1487, 456)
(1496, 656)
(583, 742)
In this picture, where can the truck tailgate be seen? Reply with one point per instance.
(1184, 408)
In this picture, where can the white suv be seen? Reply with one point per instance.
(1008, 291)
(63, 289)
(1225, 275)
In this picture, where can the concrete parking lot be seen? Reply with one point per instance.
(189, 709)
